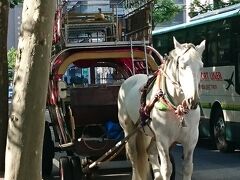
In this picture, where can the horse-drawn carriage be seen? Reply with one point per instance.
(92, 57)
(86, 99)
(84, 113)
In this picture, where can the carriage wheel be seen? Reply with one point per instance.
(76, 168)
(48, 152)
(219, 132)
(88, 173)
(65, 168)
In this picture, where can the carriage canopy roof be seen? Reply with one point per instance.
(84, 57)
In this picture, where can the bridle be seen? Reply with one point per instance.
(180, 109)
(167, 59)
(176, 82)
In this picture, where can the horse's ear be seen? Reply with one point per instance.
(176, 43)
(200, 48)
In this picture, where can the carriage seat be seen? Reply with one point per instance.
(94, 105)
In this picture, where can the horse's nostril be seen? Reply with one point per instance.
(192, 103)
(194, 106)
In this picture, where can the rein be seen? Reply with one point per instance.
(145, 109)
(175, 83)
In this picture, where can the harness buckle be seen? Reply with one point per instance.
(159, 94)
(182, 122)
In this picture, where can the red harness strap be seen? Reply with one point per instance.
(145, 109)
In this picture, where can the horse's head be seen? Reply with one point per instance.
(187, 60)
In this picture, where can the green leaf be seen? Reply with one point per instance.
(196, 7)
(165, 10)
(13, 3)
(11, 55)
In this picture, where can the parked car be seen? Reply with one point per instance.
(10, 92)
(10, 96)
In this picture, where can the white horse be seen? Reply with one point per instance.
(175, 116)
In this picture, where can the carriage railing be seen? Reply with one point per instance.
(81, 25)
(138, 15)
(90, 22)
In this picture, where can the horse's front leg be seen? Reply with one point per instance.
(153, 159)
(187, 162)
(166, 165)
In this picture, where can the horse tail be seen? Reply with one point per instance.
(142, 164)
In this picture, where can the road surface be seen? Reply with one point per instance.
(209, 164)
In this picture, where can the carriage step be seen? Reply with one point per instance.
(66, 145)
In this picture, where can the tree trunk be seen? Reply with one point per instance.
(26, 122)
(4, 7)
